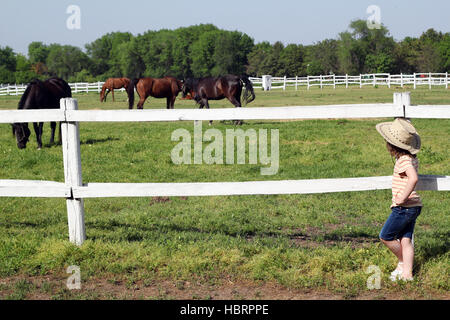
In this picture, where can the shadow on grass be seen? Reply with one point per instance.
(95, 141)
(130, 232)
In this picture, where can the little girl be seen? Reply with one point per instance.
(403, 143)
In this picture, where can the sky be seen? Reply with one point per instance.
(297, 21)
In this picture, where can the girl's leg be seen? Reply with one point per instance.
(396, 248)
(408, 257)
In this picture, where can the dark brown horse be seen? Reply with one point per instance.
(217, 88)
(167, 87)
(39, 95)
(111, 84)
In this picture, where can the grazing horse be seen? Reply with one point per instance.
(167, 87)
(111, 84)
(210, 88)
(40, 95)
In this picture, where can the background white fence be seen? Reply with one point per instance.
(74, 190)
(78, 87)
(376, 79)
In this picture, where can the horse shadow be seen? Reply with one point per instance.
(95, 141)
(85, 142)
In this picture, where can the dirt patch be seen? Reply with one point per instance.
(49, 287)
(158, 200)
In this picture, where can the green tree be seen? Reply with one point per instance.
(322, 58)
(230, 54)
(8, 58)
(7, 65)
(292, 58)
(273, 64)
(355, 45)
(38, 52)
(444, 50)
(430, 58)
(256, 59)
(66, 61)
(105, 54)
(202, 54)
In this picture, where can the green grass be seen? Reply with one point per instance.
(323, 241)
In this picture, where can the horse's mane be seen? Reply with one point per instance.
(192, 82)
(24, 97)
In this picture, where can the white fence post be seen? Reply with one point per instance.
(346, 80)
(415, 81)
(296, 83)
(72, 173)
(429, 80)
(446, 80)
(284, 83)
(267, 82)
(402, 99)
(307, 81)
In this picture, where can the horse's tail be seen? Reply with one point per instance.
(249, 93)
(130, 92)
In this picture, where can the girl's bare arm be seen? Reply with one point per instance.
(410, 185)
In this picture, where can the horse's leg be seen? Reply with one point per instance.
(112, 92)
(37, 130)
(173, 101)
(60, 137)
(205, 102)
(168, 103)
(235, 101)
(52, 136)
(140, 104)
(106, 94)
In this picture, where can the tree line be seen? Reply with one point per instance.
(205, 50)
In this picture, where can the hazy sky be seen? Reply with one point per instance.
(305, 22)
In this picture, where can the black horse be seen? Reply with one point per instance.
(40, 95)
(217, 88)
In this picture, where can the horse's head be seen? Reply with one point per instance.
(187, 88)
(22, 133)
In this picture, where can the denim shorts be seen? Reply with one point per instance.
(400, 223)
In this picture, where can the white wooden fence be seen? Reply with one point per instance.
(414, 80)
(74, 190)
(78, 87)
(376, 79)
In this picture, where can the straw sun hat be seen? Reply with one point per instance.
(400, 133)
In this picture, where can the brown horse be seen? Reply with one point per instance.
(167, 87)
(111, 84)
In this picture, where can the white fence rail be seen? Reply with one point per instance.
(79, 87)
(74, 191)
(377, 79)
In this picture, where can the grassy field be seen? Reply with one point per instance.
(230, 247)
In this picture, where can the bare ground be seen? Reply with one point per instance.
(51, 287)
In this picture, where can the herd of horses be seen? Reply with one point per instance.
(47, 94)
